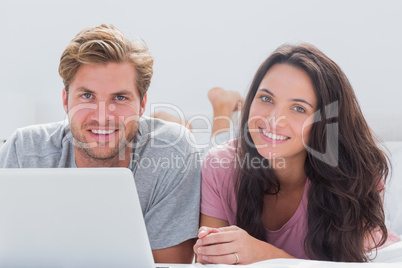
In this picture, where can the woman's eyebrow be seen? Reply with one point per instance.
(303, 101)
(267, 91)
(296, 100)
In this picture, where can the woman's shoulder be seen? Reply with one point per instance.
(220, 158)
(226, 150)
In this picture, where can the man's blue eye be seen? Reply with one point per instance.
(120, 98)
(86, 95)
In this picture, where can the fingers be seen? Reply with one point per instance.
(223, 259)
(204, 231)
(216, 249)
(229, 228)
(216, 245)
(221, 247)
(218, 238)
(215, 241)
(227, 258)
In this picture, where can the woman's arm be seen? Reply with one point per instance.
(220, 243)
(212, 222)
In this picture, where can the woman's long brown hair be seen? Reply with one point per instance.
(343, 164)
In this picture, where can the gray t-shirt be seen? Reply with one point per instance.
(165, 163)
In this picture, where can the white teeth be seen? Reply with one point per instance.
(273, 136)
(102, 132)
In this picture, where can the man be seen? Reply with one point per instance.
(106, 78)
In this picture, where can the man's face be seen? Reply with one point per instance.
(103, 109)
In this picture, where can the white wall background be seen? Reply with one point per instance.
(197, 45)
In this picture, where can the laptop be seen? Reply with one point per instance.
(74, 217)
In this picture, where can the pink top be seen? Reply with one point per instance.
(217, 178)
(218, 201)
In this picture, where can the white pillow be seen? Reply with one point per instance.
(393, 191)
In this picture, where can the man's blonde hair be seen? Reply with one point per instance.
(104, 44)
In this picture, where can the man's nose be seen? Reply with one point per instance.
(103, 112)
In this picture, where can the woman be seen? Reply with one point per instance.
(304, 178)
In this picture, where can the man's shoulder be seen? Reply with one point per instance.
(37, 134)
(162, 135)
(45, 145)
(43, 139)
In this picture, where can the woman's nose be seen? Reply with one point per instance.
(277, 118)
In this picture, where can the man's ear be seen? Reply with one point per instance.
(65, 101)
(143, 104)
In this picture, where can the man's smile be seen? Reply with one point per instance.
(103, 132)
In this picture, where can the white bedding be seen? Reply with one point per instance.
(390, 256)
(393, 192)
(386, 258)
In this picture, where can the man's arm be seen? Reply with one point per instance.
(181, 253)
(8, 155)
(170, 190)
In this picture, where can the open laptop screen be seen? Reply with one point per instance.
(74, 217)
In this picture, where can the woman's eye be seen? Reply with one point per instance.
(87, 95)
(266, 99)
(120, 98)
(299, 109)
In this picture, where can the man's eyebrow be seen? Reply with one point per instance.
(84, 89)
(117, 93)
(123, 92)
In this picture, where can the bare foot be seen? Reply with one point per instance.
(225, 101)
(171, 118)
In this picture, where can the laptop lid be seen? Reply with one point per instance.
(74, 217)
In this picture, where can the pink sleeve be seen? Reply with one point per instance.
(211, 199)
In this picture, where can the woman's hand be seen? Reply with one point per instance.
(233, 245)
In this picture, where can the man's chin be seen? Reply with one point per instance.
(104, 150)
(102, 154)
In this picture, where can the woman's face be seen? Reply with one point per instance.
(282, 112)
